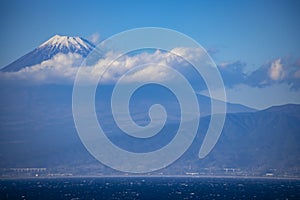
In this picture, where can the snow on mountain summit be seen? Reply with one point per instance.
(53, 46)
(61, 42)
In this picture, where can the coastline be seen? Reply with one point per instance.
(152, 176)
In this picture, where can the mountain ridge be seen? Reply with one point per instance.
(251, 143)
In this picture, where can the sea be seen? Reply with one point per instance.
(149, 188)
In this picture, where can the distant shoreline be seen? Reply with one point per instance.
(153, 176)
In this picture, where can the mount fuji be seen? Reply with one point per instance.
(56, 44)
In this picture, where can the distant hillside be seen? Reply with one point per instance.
(260, 142)
(37, 130)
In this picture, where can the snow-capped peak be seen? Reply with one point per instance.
(68, 42)
(55, 45)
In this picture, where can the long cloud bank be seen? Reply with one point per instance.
(62, 68)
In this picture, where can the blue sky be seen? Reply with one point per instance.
(251, 31)
(254, 33)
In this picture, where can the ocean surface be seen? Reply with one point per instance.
(149, 188)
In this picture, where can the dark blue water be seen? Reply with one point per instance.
(149, 188)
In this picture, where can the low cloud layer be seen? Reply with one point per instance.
(281, 70)
(62, 68)
(286, 71)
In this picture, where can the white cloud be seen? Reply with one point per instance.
(94, 38)
(193, 54)
(62, 68)
(276, 71)
(281, 70)
(225, 64)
